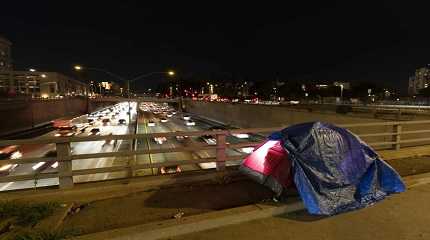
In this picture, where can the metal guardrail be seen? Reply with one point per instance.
(65, 157)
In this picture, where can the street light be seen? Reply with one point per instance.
(43, 75)
(79, 67)
(341, 92)
(32, 70)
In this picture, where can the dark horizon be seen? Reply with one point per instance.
(333, 41)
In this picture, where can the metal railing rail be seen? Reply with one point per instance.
(65, 157)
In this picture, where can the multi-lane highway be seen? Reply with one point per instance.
(152, 118)
(113, 127)
(156, 118)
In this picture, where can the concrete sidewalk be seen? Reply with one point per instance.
(402, 216)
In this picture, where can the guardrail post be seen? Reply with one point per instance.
(64, 165)
(397, 130)
(220, 151)
(398, 114)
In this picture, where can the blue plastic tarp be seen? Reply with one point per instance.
(333, 170)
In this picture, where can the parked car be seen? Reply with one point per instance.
(151, 124)
(186, 117)
(122, 121)
(163, 120)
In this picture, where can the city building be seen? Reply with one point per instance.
(40, 84)
(5, 54)
(419, 81)
(33, 83)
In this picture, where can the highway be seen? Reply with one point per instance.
(30, 151)
(177, 123)
(174, 123)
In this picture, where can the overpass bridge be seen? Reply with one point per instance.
(380, 135)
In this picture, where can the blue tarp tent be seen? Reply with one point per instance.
(333, 170)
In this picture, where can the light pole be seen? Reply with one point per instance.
(341, 93)
(170, 73)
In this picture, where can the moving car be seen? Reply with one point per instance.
(241, 135)
(209, 139)
(190, 123)
(163, 120)
(180, 138)
(170, 169)
(247, 150)
(160, 140)
(186, 117)
(105, 121)
(40, 166)
(6, 153)
(217, 128)
(94, 131)
(5, 169)
(151, 124)
(10, 152)
(64, 133)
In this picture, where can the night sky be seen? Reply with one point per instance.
(382, 41)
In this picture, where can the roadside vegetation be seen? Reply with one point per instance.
(18, 219)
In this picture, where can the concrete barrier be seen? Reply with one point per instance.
(24, 114)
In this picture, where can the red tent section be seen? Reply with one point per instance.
(269, 164)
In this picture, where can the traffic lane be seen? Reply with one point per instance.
(172, 156)
(177, 123)
(99, 147)
(40, 151)
(170, 143)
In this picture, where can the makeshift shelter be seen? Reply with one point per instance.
(332, 169)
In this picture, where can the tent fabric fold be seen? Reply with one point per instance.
(333, 170)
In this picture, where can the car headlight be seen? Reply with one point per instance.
(16, 155)
(5, 167)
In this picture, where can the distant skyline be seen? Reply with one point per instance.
(381, 42)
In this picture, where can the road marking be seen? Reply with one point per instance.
(149, 147)
(6, 186)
